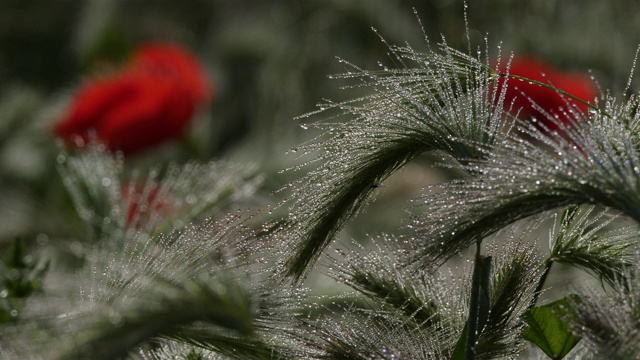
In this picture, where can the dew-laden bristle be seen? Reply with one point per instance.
(115, 205)
(200, 274)
(608, 322)
(444, 101)
(593, 162)
(430, 321)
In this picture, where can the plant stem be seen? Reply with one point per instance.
(479, 302)
(536, 293)
(469, 353)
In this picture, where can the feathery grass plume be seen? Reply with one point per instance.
(593, 160)
(213, 299)
(160, 287)
(400, 315)
(512, 290)
(186, 193)
(375, 272)
(609, 324)
(273, 340)
(378, 337)
(422, 315)
(170, 350)
(111, 204)
(441, 101)
(583, 237)
(92, 178)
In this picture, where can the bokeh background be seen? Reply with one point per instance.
(269, 62)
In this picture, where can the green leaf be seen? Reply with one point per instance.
(458, 351)
(547, 328)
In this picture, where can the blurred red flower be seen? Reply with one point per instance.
(148, 102)
(524, 95)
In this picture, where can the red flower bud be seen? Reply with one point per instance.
(524, 95)
(148, 102)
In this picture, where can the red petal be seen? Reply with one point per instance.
(150, 102)
(172, 62)
(141, 121)
(92, 101)
(524, 95)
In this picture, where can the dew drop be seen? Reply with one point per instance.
(41, 239)
(115, 318)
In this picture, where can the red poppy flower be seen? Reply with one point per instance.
(523, 95)
(148, 102)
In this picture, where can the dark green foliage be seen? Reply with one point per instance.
(21, 276)
(549, 329)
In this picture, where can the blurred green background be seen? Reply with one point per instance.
(269, 62)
